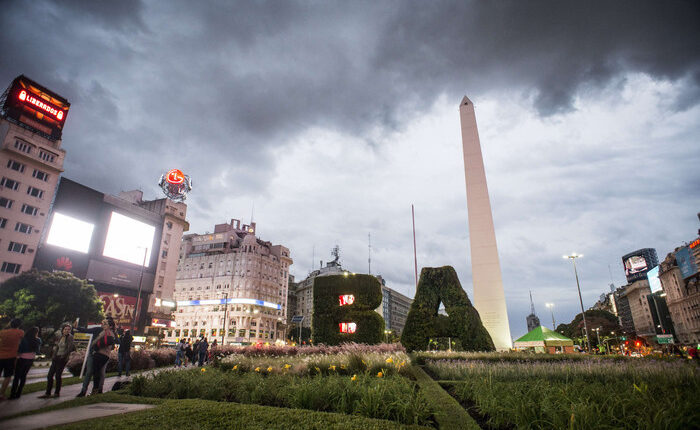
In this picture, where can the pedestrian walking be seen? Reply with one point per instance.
(203, 347)
(180, 352)
(59, 359)
(9, 344)
(27, 351)
(102, 347)
(124, 353)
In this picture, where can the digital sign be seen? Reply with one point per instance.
(635, 264)
(36, 107)
(128, 239)
(348, 327)
(346, 299)
(686, 262)
(654, 281)
(70, 233)
(207, 302)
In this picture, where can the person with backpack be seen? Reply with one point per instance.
(124, 353)
(180, 352)
(59, 359)
(28, 349)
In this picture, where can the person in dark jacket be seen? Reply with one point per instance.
(96, 333)
(61, 352)
(189, 353)
(203, 347)
(100, 356)
(125, 352)
(28, 349)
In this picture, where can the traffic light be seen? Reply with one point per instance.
(627, 342)
(638, 344)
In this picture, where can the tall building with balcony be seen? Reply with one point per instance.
(31, 161)
(231, 286)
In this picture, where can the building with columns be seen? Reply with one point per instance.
(231, 286)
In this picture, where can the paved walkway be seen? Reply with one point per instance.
(71, 415)
(31, 401)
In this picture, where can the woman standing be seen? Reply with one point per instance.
(61, 353)
(28, 349)
(103, 346)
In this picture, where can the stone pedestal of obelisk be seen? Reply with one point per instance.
(489, 298)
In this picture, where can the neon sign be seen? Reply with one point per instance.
(43, 105)
(695, 244)
(175, 176)
(346, 299)
(348, 327)
(175, 185)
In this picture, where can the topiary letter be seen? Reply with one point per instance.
(440, 284)
(344, 309)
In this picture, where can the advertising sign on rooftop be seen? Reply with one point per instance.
(36, 107)
(686, 262)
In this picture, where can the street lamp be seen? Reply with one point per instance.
(597, 331)
(223, 333)
(551, 309)
(573, 258)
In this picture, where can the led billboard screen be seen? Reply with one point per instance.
(635, 264)
(127, 239)
(654, 281)
(36, 106)
(686, 262)
(70, 233)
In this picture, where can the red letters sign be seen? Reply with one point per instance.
(120, 308)
(175, 176)
(346, 299)
(41, 104)
(36, 107)
(348, 327)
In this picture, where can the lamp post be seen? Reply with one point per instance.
(551, 309)
(597, 331)
(134, 319)
(573, 258)
(223, 333)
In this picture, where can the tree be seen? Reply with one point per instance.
(48, 299)
(595, 318)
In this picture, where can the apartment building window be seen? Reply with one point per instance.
(23, 228)
(42, 176)
(9, 183)
(17, 247)
(3, 221)
(23, 146)
(10, 267)
(5, 203)
(35, 192)
(29, 210)
(15, 165)
(47, 156)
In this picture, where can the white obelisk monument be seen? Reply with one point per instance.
(489, 298)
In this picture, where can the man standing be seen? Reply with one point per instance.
(9, 344)
(125, 352)
(203, 347)
(95, 331)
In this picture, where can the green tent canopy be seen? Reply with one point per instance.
(542, 336)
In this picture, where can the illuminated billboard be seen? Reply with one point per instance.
(36, 106)
(686, 262)
(654, 281)
(128, 239)
(70, 233)
(638, 263)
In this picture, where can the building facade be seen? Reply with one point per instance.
(682, 288)
(636, 296)
(231, 286)
(31, 161)
(394, 309)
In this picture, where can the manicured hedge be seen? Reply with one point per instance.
(440, 284)
(328, 313)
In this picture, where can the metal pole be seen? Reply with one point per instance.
(138, 296)
(552, 311)
(300, 333)
(583, 313)
(415, 258)
(225, 312)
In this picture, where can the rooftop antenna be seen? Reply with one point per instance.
(252, 212)
(369, 253)
(532, 304)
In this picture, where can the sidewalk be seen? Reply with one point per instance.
(31, 401)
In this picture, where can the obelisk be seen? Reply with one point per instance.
(489, 298)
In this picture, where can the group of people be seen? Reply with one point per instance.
(192, 352)
(18, 349)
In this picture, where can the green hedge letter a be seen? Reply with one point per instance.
(436, 285)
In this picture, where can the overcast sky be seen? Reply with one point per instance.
(332, 118)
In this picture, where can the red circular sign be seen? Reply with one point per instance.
(175, 176)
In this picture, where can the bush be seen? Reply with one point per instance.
(423, 322)
(328, 313)
(141, 359)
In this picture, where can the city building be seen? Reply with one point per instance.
(31, 162)
(489, 298)
(122, 245)
(231, 286)
(680, 281)
(532, 320)
(394, 308)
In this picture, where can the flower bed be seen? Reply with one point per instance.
(580, 393)
(369, 384)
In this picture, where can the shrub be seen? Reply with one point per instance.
(423, 322)
(141, 359)
(328, 313)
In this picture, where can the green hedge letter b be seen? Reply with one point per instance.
(344, 309)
